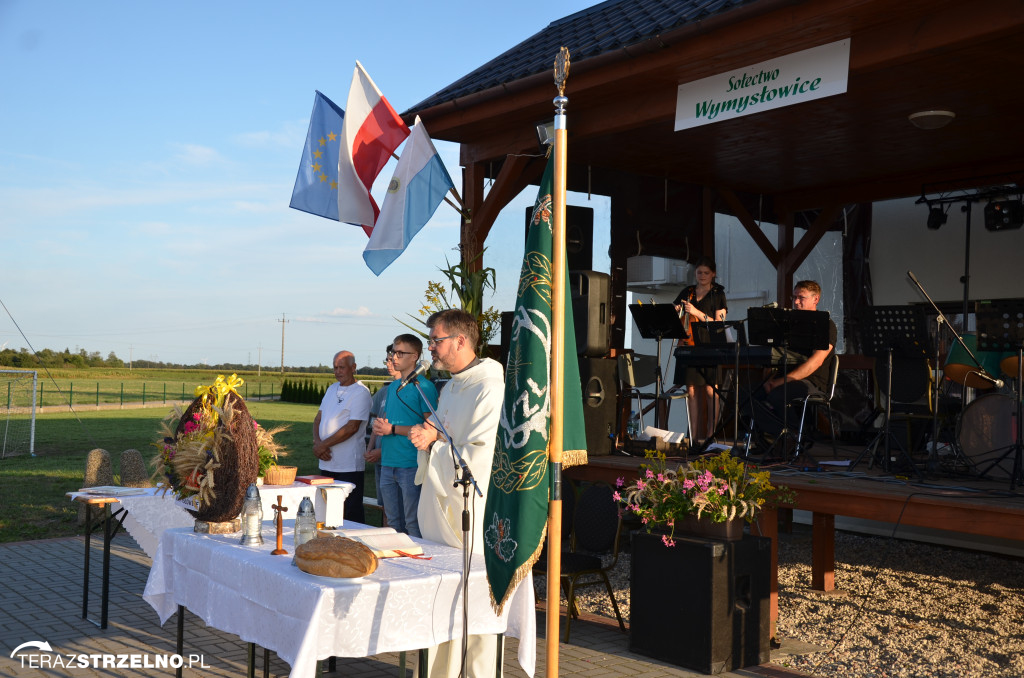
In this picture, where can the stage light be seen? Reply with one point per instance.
(546, 133)
(1004, 215)
(936, 218)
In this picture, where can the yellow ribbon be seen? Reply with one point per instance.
(220, 388)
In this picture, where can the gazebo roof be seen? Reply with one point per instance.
(605, 27)
(630, 56)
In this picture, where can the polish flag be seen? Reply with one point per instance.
(371, 131)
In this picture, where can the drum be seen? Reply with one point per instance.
(1009, 365)
(987, 426)
(961, 369)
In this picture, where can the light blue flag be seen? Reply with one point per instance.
(417, 188)
(316, 185)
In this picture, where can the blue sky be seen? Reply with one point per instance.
(147, 157)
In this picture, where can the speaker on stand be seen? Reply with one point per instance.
(600, 403)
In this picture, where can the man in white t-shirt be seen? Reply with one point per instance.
(338, 440)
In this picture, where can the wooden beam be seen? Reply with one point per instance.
(473, 195)
(516, 173)
(751, 226)
(783, 273)
(811, 238)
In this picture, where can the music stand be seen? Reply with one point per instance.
(1001, 328)
(658, 321)
(729, 335)
(894, 330)
(783, 328)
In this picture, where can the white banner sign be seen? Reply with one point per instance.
(792, 79)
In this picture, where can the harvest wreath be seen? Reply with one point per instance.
(211, 452)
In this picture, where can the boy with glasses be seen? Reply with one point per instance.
(403, 409)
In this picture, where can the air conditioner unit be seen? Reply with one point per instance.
(647, 272)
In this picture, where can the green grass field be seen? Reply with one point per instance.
(105, 386)
(32, 489)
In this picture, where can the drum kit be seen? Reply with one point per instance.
(987, 433)
(990, 428)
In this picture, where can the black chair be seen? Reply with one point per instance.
(816, 401)
(596, 531)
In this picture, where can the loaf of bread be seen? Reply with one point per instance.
(335, 557)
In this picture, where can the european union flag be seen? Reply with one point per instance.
(316, 185)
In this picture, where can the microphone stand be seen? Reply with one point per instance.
(465, 480)
(940, 319)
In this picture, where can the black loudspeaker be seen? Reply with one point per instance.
(579, 236)
(722, 587)
(600, 383)
(590, 293)
(506, 334)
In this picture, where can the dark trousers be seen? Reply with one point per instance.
(767, 408)
(354, 509)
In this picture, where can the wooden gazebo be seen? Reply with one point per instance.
(794, 166)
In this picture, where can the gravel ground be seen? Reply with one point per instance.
(902, 609)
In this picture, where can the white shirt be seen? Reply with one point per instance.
(342, 404)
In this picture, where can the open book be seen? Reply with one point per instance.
(385, 542)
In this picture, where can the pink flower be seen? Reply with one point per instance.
(650, 473)
(640, 484)
(644, 520)
(190, 426)
(667, 540)
(620, 481)
(688, 484)
(721, 490)
(661, 477)
(616, 496)
(196, 415)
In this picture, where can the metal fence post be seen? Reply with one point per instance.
(122, 394)
(71, 395)
(143, 394)
(97, 394)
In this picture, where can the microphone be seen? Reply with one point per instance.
(912, 276)
(998, 383)
(423, 366)
(774, 304)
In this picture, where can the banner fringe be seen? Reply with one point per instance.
(519, 575)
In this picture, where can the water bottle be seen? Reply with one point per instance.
(633, 425)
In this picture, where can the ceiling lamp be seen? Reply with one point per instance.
(931, 119)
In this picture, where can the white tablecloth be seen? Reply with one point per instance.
(152, 512)
(407, 604)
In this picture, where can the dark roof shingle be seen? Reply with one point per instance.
(605, 27)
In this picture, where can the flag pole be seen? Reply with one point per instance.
(558, 358)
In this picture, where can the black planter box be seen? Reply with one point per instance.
(702, 604)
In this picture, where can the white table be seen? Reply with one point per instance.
(152, 512)
(407, 604)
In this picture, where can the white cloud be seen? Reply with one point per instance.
(194, 154)
(361, 312)
(291, 135)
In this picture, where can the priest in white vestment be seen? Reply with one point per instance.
(469, 409)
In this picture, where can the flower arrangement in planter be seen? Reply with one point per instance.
(211, 451)
(715, 489)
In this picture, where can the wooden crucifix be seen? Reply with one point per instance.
(279, 509)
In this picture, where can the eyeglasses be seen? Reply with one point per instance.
(402, 353)
(431, 343)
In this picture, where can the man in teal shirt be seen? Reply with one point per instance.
(403, 409)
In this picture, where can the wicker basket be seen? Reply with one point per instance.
(280, 475)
